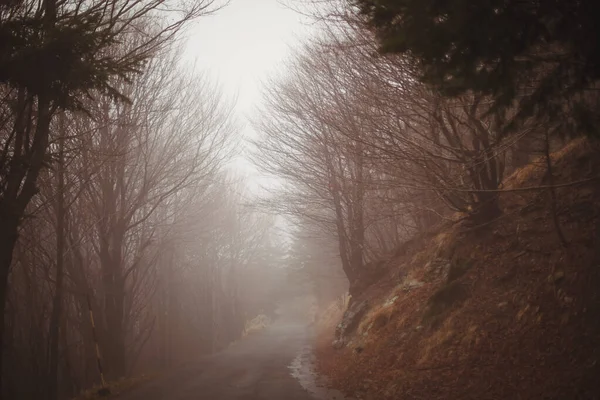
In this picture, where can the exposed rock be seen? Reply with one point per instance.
(350, 321)
(438, 268)
(411, 284)
(390, 301)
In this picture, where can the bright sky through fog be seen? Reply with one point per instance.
(243, 43)
(241, 46)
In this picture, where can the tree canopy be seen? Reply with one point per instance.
(542, 55)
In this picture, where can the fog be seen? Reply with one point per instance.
(187, 183)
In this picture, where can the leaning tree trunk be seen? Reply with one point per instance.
(343, 245)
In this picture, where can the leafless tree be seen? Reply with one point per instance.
(117, 184)
(372, 155)
(78, 44)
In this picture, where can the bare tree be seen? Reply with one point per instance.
(370, 154)
(78, 45)
(155, 149)
(117, 182)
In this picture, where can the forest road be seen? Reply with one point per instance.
(256, 368)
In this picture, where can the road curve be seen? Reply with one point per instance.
(256, 368)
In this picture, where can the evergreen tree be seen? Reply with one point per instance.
(541, 55)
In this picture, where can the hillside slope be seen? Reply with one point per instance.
(499, 312)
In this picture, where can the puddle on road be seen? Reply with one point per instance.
(303, 369)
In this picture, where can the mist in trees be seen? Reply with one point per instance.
(372, 154)
(118, 197)
(120, 194)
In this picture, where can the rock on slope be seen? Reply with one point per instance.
(499, 312)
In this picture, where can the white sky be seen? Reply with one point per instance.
(242, 44)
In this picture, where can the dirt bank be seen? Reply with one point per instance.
(504, 311)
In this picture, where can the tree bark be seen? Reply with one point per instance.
(8, 239)
(14, 202)
(358, 225)
(553, 199)
(55, 319)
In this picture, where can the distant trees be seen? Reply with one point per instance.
(155, 151)
(215, 271)
(114, 189)
(101, 226)
(325, 182)
(55, 55)
(138, 213)
(314, 263)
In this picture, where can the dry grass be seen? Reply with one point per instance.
(528, 176)
(376, 320)
(517, 319)
(256, 324)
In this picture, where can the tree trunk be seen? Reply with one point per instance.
(55, 319)
(358, 225)
(553, 200)
(520, 153)
(14, 202)
(113, 282)
(486, 209)
(116, 331)
(8, 239)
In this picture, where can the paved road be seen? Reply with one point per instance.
(256, 368)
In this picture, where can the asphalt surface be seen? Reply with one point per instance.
(256, 368)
